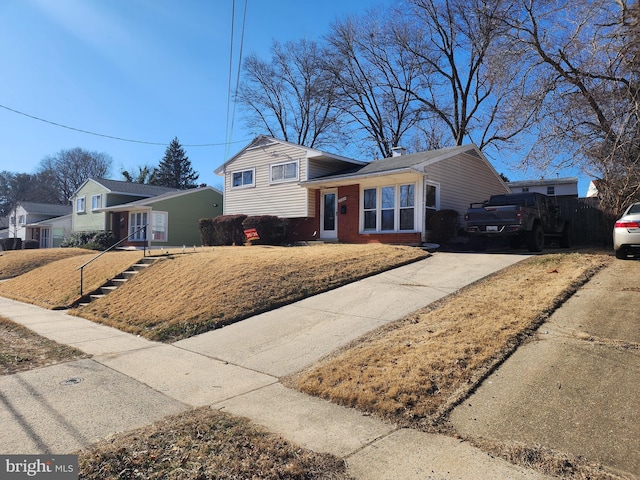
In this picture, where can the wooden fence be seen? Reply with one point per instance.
(589, 224)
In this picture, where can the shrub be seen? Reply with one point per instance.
(206, 227)
(30, 244)
(222, 230)
(271, 229)
(100, 240)
(443, 226)
(11, 243)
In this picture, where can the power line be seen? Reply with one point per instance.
(230, 121)
(111, 136)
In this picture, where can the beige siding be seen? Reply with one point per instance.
(287, 199)
(464, 179)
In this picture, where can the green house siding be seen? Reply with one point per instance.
(88, 221)
(184, 213)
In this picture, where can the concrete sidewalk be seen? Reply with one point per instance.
(576, 387)
(130, 381)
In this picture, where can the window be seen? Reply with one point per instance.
(96, 202)
(430, 203)
(12, 220)
(389, 208)
(284, 172)
(370, 195)
(551, 190)
(407, 206)
(242, 179)
(21, 220)
(137, 220)
(159, 222)
(80, 205)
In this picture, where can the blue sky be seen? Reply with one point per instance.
(144, 70)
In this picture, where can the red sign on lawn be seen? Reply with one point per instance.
(251, 234)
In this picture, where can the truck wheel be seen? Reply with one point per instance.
(565, 238)
(535, 239)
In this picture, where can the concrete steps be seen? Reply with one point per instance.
(116, 282)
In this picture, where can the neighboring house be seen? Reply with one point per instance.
(123, 207)
(329, 197)
(45, 222)
(553, 187)
(593, 190)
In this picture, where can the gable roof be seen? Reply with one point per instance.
(53, 209)
(403, 163)
(127, 188)
(150, 201)
(265, 141)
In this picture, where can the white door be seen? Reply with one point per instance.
(329, 214)
(45, 234)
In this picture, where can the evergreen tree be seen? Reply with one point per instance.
(175, 169)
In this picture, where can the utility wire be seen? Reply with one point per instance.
(111, 136)
(231, 95)
(233, 21)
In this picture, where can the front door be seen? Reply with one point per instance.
(329, 214)
(44, 237)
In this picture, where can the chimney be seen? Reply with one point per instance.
(398, 151)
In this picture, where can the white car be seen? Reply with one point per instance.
(626, 233)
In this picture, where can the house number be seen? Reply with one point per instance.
(342, 199)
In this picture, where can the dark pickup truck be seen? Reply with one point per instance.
(522, 217)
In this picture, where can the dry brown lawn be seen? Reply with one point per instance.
(57, 283)
(205, 443)
(416, 370)
(184, 295)
(21, 349)
(17, 262)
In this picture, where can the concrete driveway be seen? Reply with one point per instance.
(576, 387)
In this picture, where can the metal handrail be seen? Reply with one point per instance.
(144, 253)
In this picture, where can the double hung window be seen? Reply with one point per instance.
(80, 205)
(159, 222)
(96, 202)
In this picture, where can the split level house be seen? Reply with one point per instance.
(333, 198)
(170, 215)
(46, 223)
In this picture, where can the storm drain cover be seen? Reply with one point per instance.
(72, 381)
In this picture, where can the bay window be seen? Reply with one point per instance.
(389, 208)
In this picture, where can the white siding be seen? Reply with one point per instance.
(464, 179)
(286, 199)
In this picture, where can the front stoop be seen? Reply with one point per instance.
(116, 282)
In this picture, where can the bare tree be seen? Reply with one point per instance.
(374, 79)
(68, 169)
(582, 58)
(463, 85)
(292, 96)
